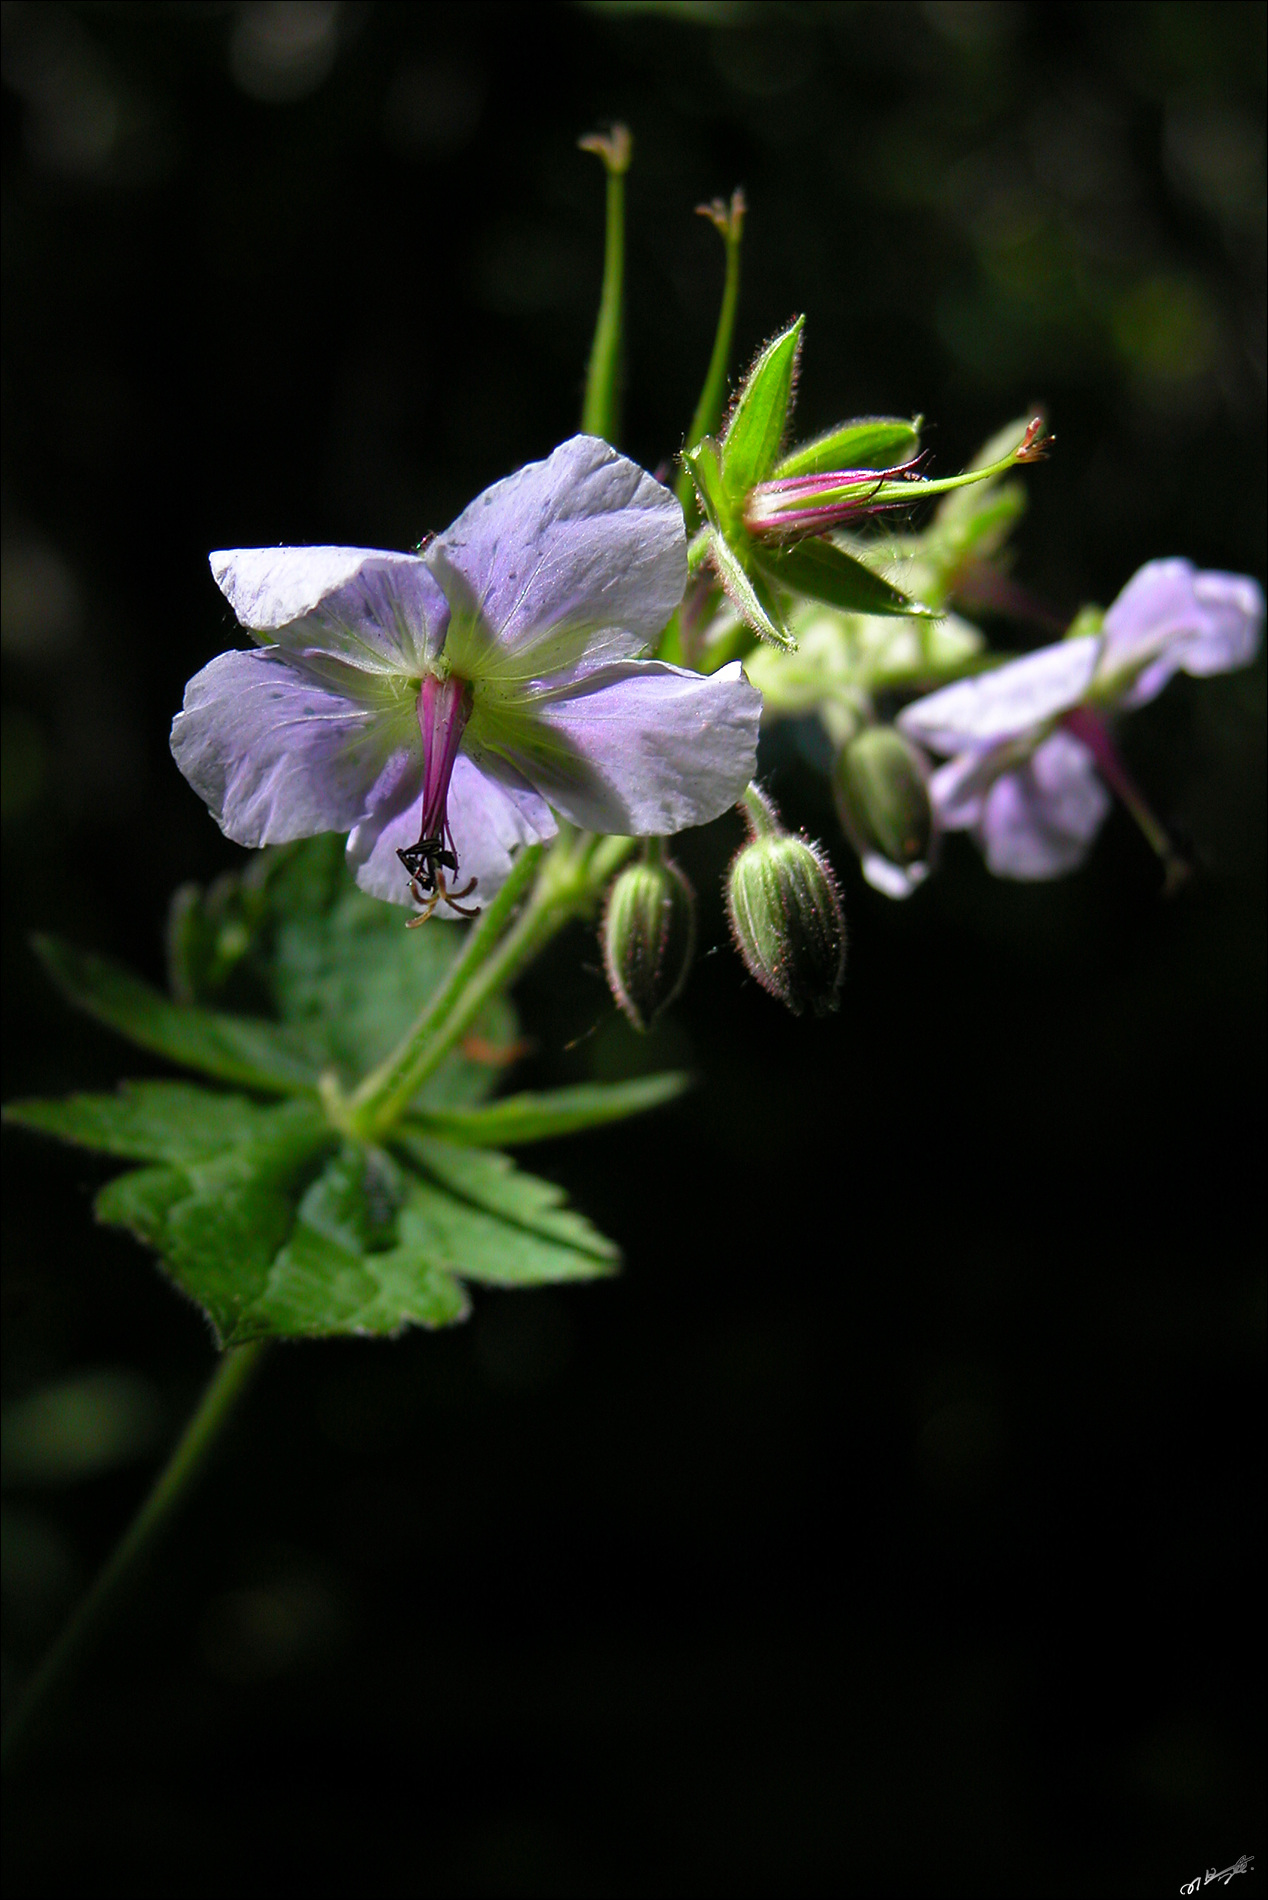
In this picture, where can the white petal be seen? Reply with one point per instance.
(1039, 820)
(580, 557)
(489, 820)
(641, 749)
(1007, 702)
(956, 789)
(371, 608)
(277, 755)
(893, 880)
(1170, 618)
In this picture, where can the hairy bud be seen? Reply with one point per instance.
(649, 935)
(880, 782)
(785, 912)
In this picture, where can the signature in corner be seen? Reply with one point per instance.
(1242, 1866)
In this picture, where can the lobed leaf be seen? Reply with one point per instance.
(491, 1182)
(263, 1055)
(518, 1119)
(218, 1223)
(352, 979)
(146, 1121)
(329, 1278)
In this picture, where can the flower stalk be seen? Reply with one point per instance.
(565, 881)
(56, 1674)
(600, 414)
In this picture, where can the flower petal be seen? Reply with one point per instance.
(489, 820)
(893, 880)
(641, 749)
(376, 610)
(582, 556)
(1007, 702)
(957, 789)
(277, 755)
(1171, 617)
(1039, 820)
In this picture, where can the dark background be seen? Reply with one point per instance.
(891, 1525)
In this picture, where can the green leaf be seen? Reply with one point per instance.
(351, 1266)
(277, 1235)
(872, 442)
(823, 571)
(492, 1182)
(147, 1121)
(353, 979)
(760, 415)
(318, 1289)
(233, 1048)
(517, 1119)
(345, 1267)
(751, 594)
(218, 1223)
(477, 1246)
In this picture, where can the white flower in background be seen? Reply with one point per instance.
(1026, 745)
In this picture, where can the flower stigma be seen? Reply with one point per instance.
(444, 707)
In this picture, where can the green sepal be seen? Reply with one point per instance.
(751, 593)
(759, 417)
(262, 1055)
(823, 571)
(146, 1121)
(727, 547)
(705, 463)
(518, 1119)
(871, 442)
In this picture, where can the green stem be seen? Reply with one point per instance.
(567, 880)
(57, 1672)
(600, 413)
(730, 223)
(570, 878)
(381, 1096)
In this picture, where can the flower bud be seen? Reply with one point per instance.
(880, 782)
(649, 935)
(785, 912)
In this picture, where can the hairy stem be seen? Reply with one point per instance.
(56, 1674)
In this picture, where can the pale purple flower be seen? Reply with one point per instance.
(1023, 743)
(438, 707)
